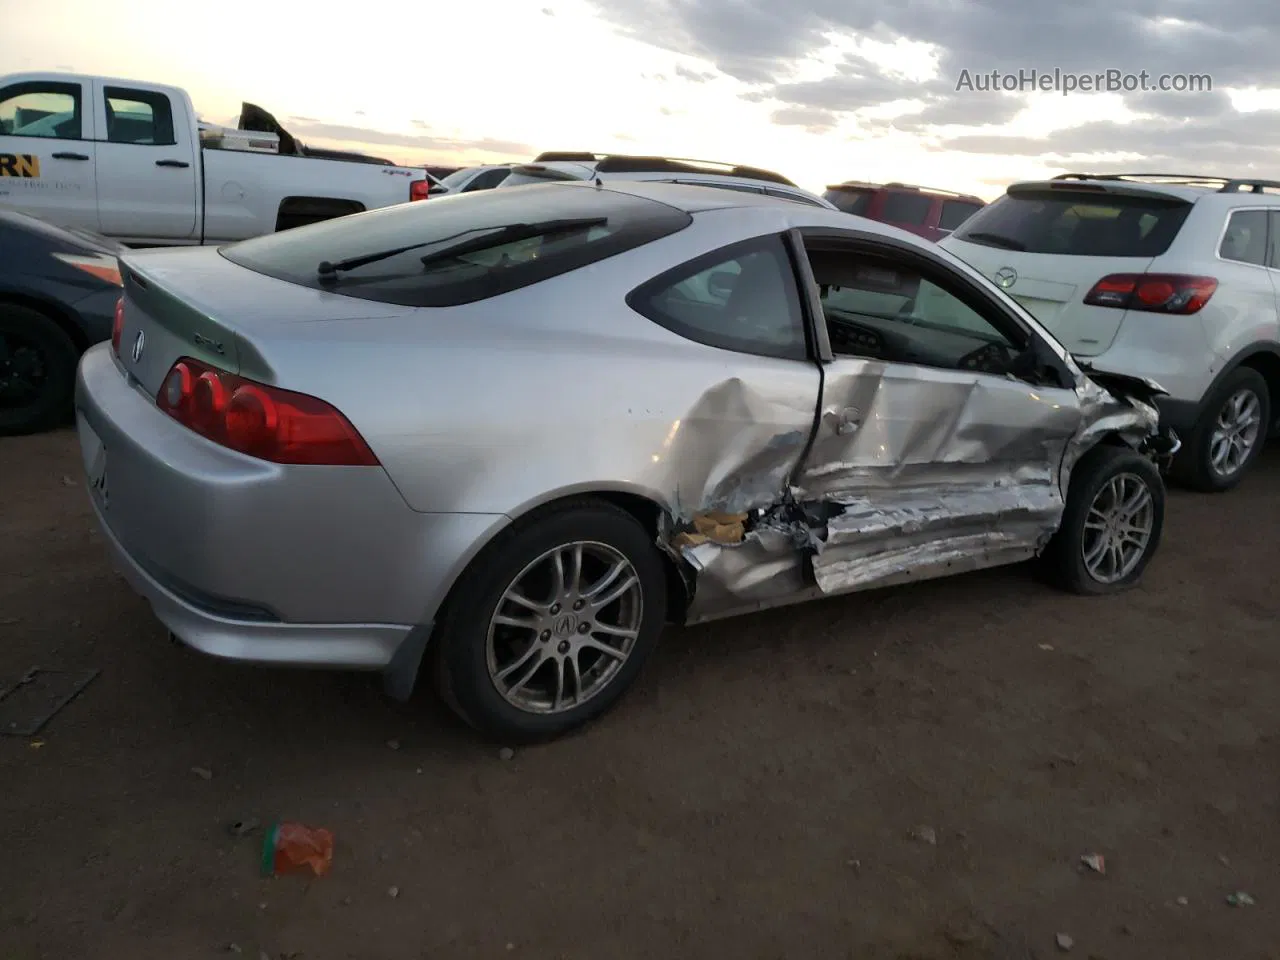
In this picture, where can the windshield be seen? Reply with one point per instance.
(460, 248)
(1077, 223)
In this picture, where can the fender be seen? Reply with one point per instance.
(1184, 414)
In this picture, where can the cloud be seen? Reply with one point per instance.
(813, 119)
(693, 76)
(763, 43)
(365, 135)
(1218, 145)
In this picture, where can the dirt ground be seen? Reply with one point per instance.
(755, 797)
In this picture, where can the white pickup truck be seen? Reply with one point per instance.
(132, 161)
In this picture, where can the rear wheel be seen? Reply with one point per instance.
(1112, 523)
(1229, 436)
(552, 623)
(37, 371)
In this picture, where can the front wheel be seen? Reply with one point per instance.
(37, 371)
(1112, 522)
(551, 624)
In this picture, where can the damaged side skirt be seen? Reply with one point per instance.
(795, 551)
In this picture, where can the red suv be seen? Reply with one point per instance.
(924, 211)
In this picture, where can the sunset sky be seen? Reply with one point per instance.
(820, 90)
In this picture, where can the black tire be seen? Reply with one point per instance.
(461, 636)
(1193, 467)
(1064, 558)
(29, 337)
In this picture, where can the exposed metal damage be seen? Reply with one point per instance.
(893, 490)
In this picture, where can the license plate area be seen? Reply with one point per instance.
(93, 453)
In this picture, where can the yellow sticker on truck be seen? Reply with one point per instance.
(19, 165)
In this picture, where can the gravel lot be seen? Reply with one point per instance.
(755, 796)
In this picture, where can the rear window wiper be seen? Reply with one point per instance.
(327, 271)
(514, 234)
(995, 240)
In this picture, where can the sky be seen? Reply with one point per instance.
(820, 90)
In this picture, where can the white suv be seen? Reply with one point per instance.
(1169, 277)
(606, 167)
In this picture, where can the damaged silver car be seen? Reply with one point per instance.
(501, 438)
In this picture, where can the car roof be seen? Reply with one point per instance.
(907, 188)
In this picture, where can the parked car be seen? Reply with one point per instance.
(1169, 277)
(131, 161)
(925, 211)
(439, 173)
(58, 293)
(566, 166)
(484, 177)
(519, 429)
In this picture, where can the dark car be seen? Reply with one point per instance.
(58, 293)
(925, 211)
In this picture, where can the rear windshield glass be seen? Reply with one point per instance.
(460, 248)
(850, 201)
(909, 208)
(1077, 224)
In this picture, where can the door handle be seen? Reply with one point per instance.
(71, 156)
(848, 421)
(172, 163)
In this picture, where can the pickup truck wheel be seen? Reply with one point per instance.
(37, 371)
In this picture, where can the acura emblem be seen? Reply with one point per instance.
(139, 344)
(1006, 277)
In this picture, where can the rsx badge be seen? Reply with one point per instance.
(19, 165)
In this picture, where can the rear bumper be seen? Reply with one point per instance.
(259, 562)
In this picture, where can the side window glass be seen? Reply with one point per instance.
(486, 180)
(909, 208)
(39, 109)
(878, 308)
(139, 117)
(956, 212)
(742, 298)
(1245, 239)
(1274, 260)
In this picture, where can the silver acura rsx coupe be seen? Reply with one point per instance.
(500, 439)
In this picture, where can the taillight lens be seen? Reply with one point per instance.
(420, 190)
(260, 420)
(117, 326)
(1152, 292)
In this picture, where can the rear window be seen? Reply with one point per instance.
(460, 248)
(857, 202)
(956, 212)
(909, 208)
(1077, 224)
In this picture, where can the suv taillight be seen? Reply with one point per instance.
(117, 326)
(260, 420)
(1152, 292)
(420, 190)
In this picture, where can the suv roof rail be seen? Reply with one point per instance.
(566, 156)
(1227, 184)
(622, 163)
(938, 190)
(1255, 186)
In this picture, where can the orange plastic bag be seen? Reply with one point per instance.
(294, 848)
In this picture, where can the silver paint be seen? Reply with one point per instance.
(854, 476)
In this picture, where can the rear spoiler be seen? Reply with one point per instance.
(1113, 188)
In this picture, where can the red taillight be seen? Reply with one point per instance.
(420, 190)
(117, 326)
(1152, 292)
(259, 420)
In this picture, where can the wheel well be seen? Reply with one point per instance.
(649, 515)
(300, 211)
(1267, 364)
(66, 323)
